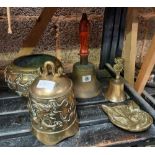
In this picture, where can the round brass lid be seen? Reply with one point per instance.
(50, 84)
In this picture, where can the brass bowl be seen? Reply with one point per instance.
(20, 74)
(129, 117)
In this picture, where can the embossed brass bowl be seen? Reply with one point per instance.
(129, 117)
(20, 74)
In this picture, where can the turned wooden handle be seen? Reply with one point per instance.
(84, 34)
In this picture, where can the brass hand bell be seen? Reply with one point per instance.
(85, 82)
(115, 91)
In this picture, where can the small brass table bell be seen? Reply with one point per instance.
(115, 92)
(84, 76)
(52, 106)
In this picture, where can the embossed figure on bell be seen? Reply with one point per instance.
(85, 82)
(52, 106)
(115, 91)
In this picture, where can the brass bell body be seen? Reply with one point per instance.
(115, 92)
(52, 106)
(85, 83)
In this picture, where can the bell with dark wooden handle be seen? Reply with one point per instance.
(115, 92)
(84, 75)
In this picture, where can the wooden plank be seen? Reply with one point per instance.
(130, 45)
(146, 69)
(31, 40)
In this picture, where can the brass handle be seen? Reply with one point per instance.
(45, 68)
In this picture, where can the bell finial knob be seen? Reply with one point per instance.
(118, 67)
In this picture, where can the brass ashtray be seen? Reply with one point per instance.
(129, 117)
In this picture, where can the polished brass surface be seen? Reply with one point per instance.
(52, 138)
(52, 106)
(20, 74)
(129, 117)
(115, 91)
(84, 76)
(85, 83)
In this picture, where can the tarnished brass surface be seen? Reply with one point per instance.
(129, 117)
(84, 75)
(115, 91)
(52, 109)
(85, 83)
(20, 74)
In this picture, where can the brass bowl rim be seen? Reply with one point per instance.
(27, 69)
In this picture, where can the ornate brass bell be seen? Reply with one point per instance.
(84, 76)
(115, 92)
(52, 106)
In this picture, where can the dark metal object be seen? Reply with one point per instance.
(113, 35)
(108, 23)
(121, 32)
(149, 96)
(84, 60)
(151, 81)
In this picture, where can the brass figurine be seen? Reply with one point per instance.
(84, 76)
(129, 117)
(52, 106)
(20, 74)
(115, 92)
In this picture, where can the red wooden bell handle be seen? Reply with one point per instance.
(84, 34)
